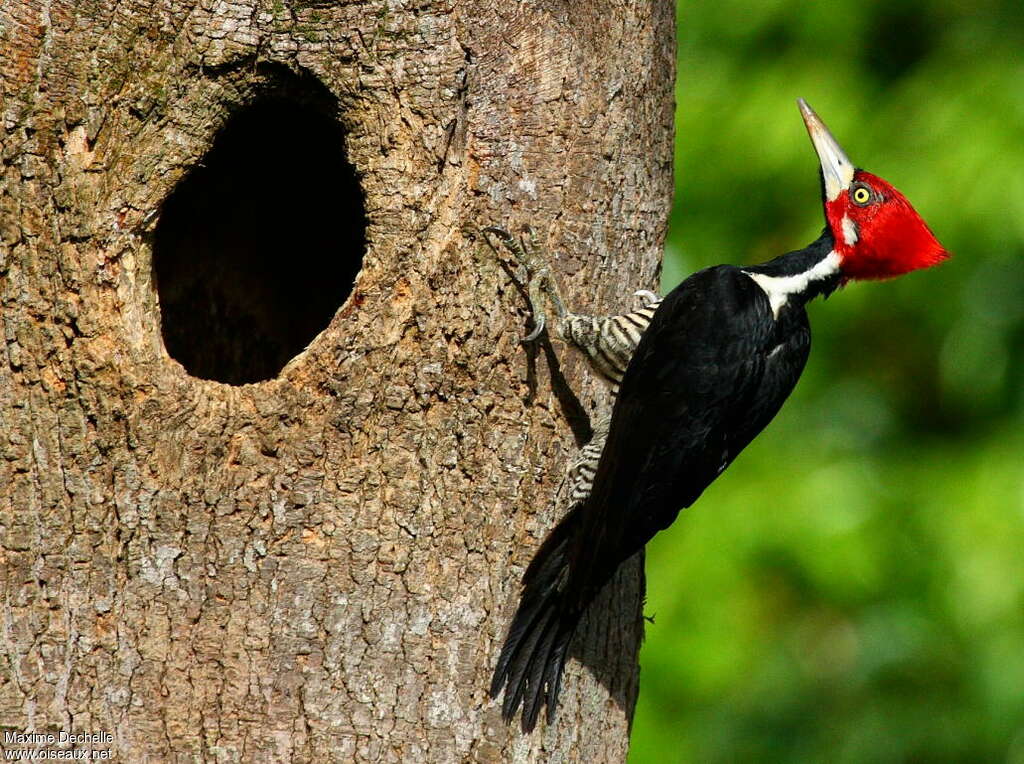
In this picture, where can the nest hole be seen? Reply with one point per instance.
(258, 246)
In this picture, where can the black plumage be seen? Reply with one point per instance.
(711, 370)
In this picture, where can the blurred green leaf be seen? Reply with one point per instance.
(852, 589)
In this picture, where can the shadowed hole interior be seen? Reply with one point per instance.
(258, 247)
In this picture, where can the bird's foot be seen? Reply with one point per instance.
(540, 284)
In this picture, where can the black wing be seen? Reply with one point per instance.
(711, 371)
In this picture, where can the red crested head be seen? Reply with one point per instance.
(878, 234)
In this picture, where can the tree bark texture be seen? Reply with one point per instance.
(318, 566)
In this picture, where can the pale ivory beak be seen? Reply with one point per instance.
(836, 168)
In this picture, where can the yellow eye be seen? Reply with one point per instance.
(861, 195)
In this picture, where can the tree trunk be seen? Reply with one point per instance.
(251, 512)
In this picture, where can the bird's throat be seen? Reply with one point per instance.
(796, 277)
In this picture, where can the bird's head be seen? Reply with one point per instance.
(878, 234)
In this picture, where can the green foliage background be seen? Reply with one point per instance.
(852, 589)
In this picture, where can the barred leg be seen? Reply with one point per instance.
(581, 473)
(608, 342)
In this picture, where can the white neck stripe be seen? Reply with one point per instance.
(849, 231)
(779, 288)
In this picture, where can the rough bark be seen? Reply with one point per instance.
(320, 565)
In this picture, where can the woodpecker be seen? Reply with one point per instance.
(697, 375)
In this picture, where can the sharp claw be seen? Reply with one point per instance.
(647, 295)
(514, 246)
(539, 319)
(537, 285)
(497, 231)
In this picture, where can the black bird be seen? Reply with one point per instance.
(720, 355)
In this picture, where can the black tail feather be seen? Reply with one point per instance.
(539, 667)
(533, 656)
(522, 683)
(553, 677)
(522, 635)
